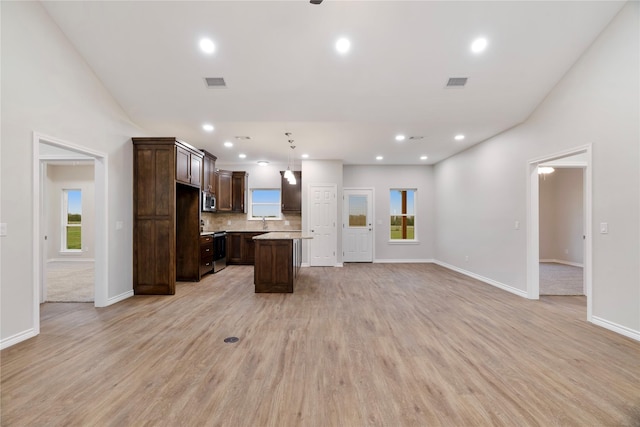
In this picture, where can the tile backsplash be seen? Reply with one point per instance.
(238, 222)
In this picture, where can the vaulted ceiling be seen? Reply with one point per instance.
(283, 73)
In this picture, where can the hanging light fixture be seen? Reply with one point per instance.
(289, 175)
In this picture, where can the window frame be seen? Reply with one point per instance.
(65, 221)
(405, 216)
(250, 215)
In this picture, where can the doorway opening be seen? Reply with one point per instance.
(68, 225)
(561, 225)
(48, 151)
(559, 241)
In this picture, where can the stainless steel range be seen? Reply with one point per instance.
(219, 250)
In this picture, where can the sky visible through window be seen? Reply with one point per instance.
(74, 201)
(396, 202)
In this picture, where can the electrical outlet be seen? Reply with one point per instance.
(228, 222)
(466, 258)
(516, 225)
(3, 229)
(119, 225)
(286, 223)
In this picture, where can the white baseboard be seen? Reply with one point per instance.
(402, 261)
(119, 298)
(304, 264)
(492, 282)
(622, 330)
(19, 337)
(559, 261)
(70, 259)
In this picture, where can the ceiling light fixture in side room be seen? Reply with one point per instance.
(459, 137)
(228, 144)
(242, 156)
(263, 162)
(479, 45)
(343, 45)
(400, 137)
(207, 127)
(207, 46)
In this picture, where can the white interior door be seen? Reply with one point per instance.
(322, 225)
(357, 234)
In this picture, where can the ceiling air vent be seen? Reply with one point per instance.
(215, 82)
(457, 81)
(414, 138)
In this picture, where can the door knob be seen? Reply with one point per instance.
(313, 231)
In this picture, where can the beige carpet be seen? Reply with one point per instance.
(70, 281)
(560, 279)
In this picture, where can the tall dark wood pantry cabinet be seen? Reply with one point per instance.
(166, 214)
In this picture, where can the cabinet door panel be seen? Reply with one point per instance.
(183, 165)
(196, 170)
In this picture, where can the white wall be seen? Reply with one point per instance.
(48, 88)
(562, 215)
(59, 178)
(382, 179)
(482, 191)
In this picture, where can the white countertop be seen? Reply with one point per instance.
(282, 235)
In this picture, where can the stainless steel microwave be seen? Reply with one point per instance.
(208, 202)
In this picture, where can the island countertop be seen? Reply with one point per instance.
(282, 235)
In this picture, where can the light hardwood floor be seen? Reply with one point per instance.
(363, 345)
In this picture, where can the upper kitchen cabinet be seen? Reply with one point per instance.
(223, 194)
(188, 164)
(291, 194)
(239, 191)
(231, 195)
(209, 173)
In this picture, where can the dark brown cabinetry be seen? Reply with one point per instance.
(277, 264)
(231, 193)
(206, 254)
(241, 247)
(188, 166)
(166, 215)
(291, 194)
(223, 195)
(209, 173)
(238, 191)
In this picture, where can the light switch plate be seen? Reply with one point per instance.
(604, 228)
(3, 229)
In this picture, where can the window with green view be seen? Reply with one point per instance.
(72, 220)
(403, 214)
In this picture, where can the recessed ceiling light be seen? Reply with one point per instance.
(423, 157)
(479, 45)
(228, 144)
(207, 46)
(343, 45)
(242, 155)
(207, 127)
(459, 137)
(400, 137)
(305, 156)
(379, 157)
(263, 162)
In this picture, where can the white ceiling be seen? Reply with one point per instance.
(284, 75)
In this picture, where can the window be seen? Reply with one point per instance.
(403, 214)
(265, 202)
(71, 220)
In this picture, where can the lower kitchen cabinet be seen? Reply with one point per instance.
(206, 254)
(241, 247)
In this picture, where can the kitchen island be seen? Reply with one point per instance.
(278, 256)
